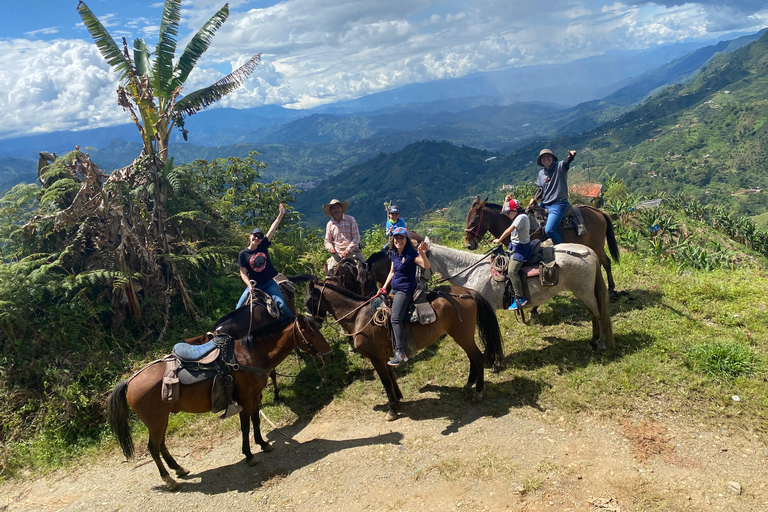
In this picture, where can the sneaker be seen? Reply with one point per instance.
(232, 409)
(397, 359)
(522, 302)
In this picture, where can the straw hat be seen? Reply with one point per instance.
(327, 207)
(545, 152)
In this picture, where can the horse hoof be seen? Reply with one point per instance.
(170, 483)
(266, 448)
(252, 461)
(478, 397)
(182, 472)
(496, 368)
(391, 416)
(468, 385)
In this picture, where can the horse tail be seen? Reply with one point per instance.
(117, 415)
(603, 305)
(490, 333)
(610, 237)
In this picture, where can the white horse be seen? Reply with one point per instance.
(579, 273)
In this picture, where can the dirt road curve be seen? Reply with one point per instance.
(349, 459)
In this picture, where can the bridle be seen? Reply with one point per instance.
(474, 231)
(308, 344)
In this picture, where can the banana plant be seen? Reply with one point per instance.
(151, 82)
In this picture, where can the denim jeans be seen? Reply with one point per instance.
(273, 289)
(400, 304)
(554, 217)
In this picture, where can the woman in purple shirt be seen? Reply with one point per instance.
(402, 278)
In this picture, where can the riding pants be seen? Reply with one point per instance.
(272, 289)
(513, 274)
(556, 212)
(400, 304)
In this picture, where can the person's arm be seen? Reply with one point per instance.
(568, 160)
(354, 243)
(244, 277)
(505, 234)
(276, 222)
(383, 289)
(536, 197)
(329, 239)
(422, 260)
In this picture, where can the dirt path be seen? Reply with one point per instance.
(349, 459)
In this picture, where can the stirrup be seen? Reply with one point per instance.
(232, 409)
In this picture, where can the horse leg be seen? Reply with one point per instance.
(383, 369)
(535, 314)
(476, 367)
(273, 378)
(245, 430)
(180, 471)
(256, 419)
(605, 261)
(156, 441)
(395, 385)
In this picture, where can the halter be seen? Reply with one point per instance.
(310, 348)
(476, 227)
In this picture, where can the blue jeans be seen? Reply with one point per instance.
(400, 304)
(554, 217)
(273, 289)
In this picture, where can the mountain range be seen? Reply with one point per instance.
(454, 125)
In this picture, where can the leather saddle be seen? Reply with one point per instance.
(572, 219)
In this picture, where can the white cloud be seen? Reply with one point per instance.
(321, 51)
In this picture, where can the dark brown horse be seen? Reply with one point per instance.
(256, 314)
(484, 217)
(256, 356)
(458, 311)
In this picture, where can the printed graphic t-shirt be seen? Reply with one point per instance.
(257, 263)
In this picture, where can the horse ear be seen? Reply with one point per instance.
(482, 203)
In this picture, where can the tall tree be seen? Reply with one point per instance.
(150, 91)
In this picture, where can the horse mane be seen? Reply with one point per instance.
(375, 257)
(343, 291)
(251, 340)
(465, 257)
(229, 315)
(495, 207)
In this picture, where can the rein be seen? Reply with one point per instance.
(487, 254)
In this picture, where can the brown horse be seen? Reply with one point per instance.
(457, 309)
(484, 217)
(256, 357)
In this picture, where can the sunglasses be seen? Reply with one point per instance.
(257, 235)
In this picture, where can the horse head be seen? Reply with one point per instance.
(313, 301)
(475, 229)
(312, 340)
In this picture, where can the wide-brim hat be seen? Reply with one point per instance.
(545, 152)
(327, 207)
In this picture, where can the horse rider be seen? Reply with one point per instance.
(256, 267)
(393, 221)
(553, 190)
(342, 237)
(519, 246)
(402, 278)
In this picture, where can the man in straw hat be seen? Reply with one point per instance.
(553, 190)
(342, 237)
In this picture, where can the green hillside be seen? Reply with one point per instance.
(706, 138)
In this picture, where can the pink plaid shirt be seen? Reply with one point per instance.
(342, 235)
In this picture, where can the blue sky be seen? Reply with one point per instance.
(322, 51)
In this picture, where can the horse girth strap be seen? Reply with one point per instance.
(258, 370)
(578, 254)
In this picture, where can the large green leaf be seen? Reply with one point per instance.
(106, 45)
(141, 58)
(198, 100)
(198, 45)
(166, 48)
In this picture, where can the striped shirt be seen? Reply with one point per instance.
(342, 235)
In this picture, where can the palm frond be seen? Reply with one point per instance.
(166, 47)
(106, 45)
(141, 58)
(196, 101)
(198, 45)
